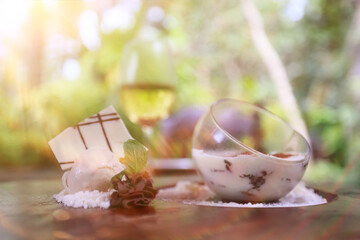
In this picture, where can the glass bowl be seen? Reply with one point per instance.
(247, 154)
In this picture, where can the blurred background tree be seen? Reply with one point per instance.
(60, 62)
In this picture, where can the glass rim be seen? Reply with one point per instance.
(250, 149)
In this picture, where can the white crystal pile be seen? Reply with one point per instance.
(84, 199)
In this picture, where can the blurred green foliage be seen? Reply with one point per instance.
(214, 55)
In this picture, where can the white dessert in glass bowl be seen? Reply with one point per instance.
(246, 154)
(248, 177)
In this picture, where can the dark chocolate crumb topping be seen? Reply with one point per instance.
(227, 165)
(256, 180)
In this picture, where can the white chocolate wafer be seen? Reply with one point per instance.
(104, 129)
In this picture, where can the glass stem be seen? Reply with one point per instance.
(148, 133)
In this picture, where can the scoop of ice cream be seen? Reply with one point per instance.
(91, 171)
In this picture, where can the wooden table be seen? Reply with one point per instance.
(28, 211)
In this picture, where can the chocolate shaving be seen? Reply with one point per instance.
(255, 180)
(132, 191)
(227, 165)
(282, 155)
(247, 153)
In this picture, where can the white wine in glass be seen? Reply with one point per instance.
(147, 103)
(147, 82)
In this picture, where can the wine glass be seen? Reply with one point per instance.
(147, 82)
(245, 153)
